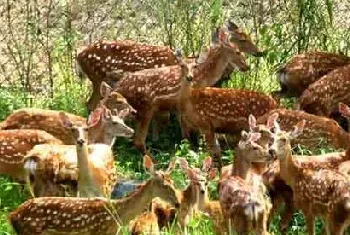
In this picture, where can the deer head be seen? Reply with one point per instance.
(243, 40)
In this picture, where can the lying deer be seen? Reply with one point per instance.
(322, 97)
(49, 121)
(91, 167)
(153, 90)
(242, 195)
(14, 145)
(304, 69)
(323, 193)
(91, 216)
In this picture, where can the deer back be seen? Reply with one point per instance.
(306, 68)
(100, 59)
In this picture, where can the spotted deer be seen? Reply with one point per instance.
(154, 90)
(15, 144)
(304, 69)
(322, 97)
(90, 216)
(49, 121)
(242, 195)
(321, 192)
(212, 110)
(318, 131)
(58, 170)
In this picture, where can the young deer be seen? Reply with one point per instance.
(319, 131)
(306, 68)
(322, 97)
(242, 195)
(14, 145)
(90, 216)
(324, 193)
(49, 121)
(152, 90)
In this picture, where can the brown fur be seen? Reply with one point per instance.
(14, 145)
(319, 131)
(322, 97)
(306, 68)
(70, 215)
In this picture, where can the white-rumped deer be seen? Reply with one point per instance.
(321, 192)
(242, 195)
(322, 97)
(304, 69)
(15, 144)
(153, 90)
(91, 216)
(49, 121)
(90, 167)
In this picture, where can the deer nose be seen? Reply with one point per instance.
(177, 205)
(189, 78)
(80, 141)
(272, 152)
(202, 191)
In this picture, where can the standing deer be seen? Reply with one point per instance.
(306, 68)
(84, 165)
(242, 194)
(322, 97)
(211, 110)
(153, 90)
(90, 216)
(320, 192)
(15, 144)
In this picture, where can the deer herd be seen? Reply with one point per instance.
(67, 162)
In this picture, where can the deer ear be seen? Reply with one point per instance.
(212, 174)
(231, 26)
(271, 120)
(123, 113)
(344, 110)
(245, 135)
(192, 175)
(207, 164)
(178, 54)
(105, 89)
(64, 119)
(252, 122)
(148, 164)
(171, 165)
(298, 129)
(183, 164)
(97, 116)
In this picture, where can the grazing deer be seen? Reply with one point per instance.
(319, 131)
(322, 97)
(242, 195)
(49, 121)
(90, 216)
(306, 68)
(153, 90)
(324, 193)
(14, 145)
(211, 110)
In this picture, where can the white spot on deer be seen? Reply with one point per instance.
(89, 56)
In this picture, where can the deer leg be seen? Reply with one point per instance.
(287, 214)
(94, 98)
(142, 125)
(214, 149)
(310, 223)
(161, 119)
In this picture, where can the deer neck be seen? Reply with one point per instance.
(190, 197)
(210, 71)
(86, 187)
(288, 169)
(241, 167)
(133, 205)
(97, 135)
